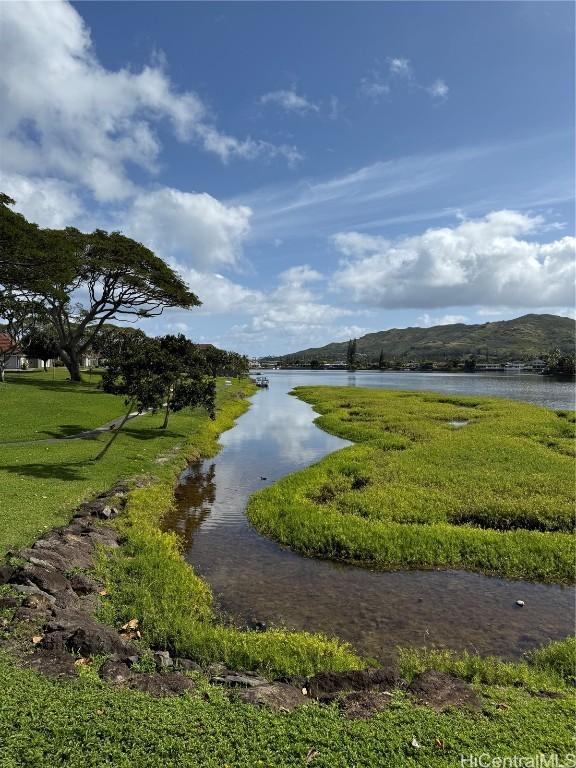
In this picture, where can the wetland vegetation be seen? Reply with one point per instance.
(495, 495)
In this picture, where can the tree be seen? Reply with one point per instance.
(222, 363)
(351, 355)
(381, 361)
(19, 318)
(152, 374)
(41, 343)
(190, 383)
(84, 281)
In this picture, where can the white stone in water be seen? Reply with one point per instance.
(520, 603)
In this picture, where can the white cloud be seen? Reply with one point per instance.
(400, 66)
(427, 321)
(374, 88)
(438, 90)
(477, 262)
(290, 101)
(194, 229)
(65, 114)
(48, 202)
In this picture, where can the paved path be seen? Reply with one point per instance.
(87, 435)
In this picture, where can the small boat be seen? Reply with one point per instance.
(262, 381)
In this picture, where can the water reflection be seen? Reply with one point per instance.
(255, 578)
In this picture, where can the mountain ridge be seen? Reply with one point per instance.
(528, 336)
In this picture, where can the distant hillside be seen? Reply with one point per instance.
(525, 337)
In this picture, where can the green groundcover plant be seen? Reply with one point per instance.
(432, 481)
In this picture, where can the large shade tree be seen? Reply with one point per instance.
(84, 281)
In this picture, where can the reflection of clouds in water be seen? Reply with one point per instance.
(286, 425)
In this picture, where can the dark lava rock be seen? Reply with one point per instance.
(187, 665)
(6, 573)
(117, 672)
(326, 683)
(55, 641)
(83, 584)
(30, 614)
(37, 602)
(49, 559)
(159, 685)
(90, 508)
(31, 589)
(441, 691)
(277, 696)
(48, 581)
(163, 661)
(238, 680)
(92, 639)
(359, 705)
(51, 663)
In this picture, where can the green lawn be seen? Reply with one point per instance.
(495, 495)
(37, 405)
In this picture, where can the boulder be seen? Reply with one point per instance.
(440, 691)
(159, 685)
(51, 663)
(31, 589)
(238, 680)
(187, 665)
(6, 573)
(277, 696)
(360, 705)
(326, 683)
(49, 581)
(83, 584)
(7, 603)
(163, 661)
(37, 602)
(117, 672)
(93, 639)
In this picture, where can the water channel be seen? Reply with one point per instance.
(254, 578)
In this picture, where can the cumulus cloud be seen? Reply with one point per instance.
(195, 229)
(289, 101)
(48, 202)
(438, 90)
(400, 66)
(64, 114)
(485, 261)
(427, 321)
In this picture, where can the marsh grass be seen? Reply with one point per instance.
(496, 495)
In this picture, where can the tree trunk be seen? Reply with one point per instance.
(2, 369)
(72, 363)
(116, 433)
(166, 414)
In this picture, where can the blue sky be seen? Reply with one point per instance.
(314, 170)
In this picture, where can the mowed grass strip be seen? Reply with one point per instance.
(434, 481)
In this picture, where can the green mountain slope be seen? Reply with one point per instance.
(524, 337)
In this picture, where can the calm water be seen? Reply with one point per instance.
(255, 579)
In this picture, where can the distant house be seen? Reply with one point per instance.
(18, 360)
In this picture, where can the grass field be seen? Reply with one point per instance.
(37, 405)
(493, 492)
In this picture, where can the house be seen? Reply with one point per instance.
(18, 360)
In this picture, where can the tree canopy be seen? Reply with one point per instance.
(84, 281)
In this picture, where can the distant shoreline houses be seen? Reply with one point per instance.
(513, 366)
